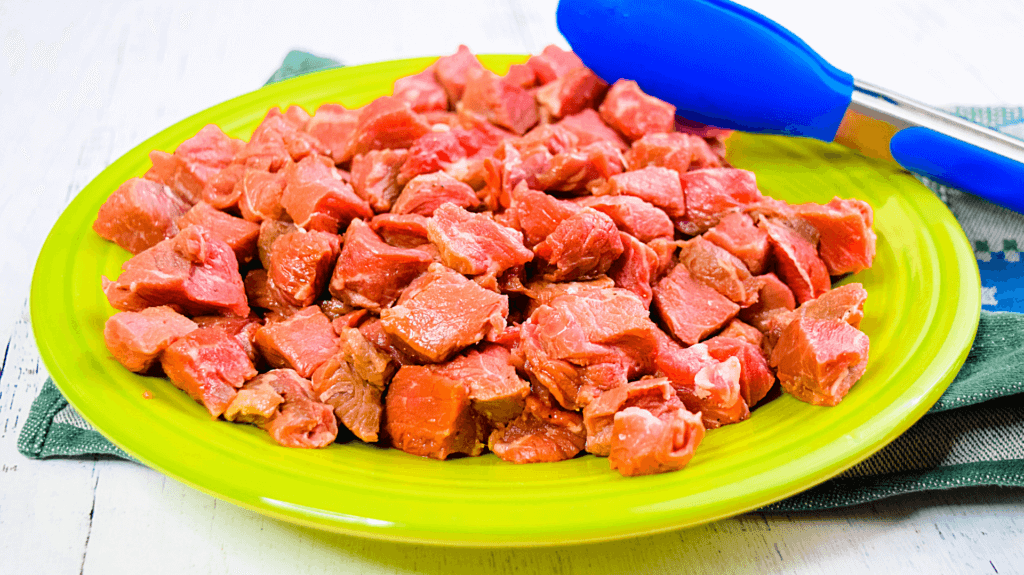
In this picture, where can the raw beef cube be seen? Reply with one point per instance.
(317, 198)
(276, 141)
(430, 415)
(703, 383)
(370, 273)
(282, 402)
(301, 342)
(846, 240)
(434, 152)
(666, 250)
(583, 245)
(536, 214)
(633, 216)
(210, 149)
(502, 103)
(386, 123)
(643, 443)
(737, 234)
(260, 197)
(473, 244)
(301, 263)
(636, 268)
(353, 381)
(139, 215)
(422, 92)
(553, 62)
(209, 365)
(574, 91)
(495, 390)
(691, 310)
(552, 136)
(508, 168)
(844, 303)
(424, 194)
(541, 433)
(657, 186)
(797, 262)
(521, 75)
(401, 230)
(679, 152)
(137, 338)
(270, 230)
(333, 125)
(243, 329)
(654, 395)
(635, 114)
(240, 234)
(755, 377)
(177, 174)
(193, 271)
(773, 297)
(375, 177)
(222, 190)
(442, 312)
(452, 72)
(573, 170)
(589, 128)
(350, 319)
(719, 269)
(373, 331)
(743, 331)
(713, 192)
(543, 292)
(818, 360)
(262, 293)
(478, 136)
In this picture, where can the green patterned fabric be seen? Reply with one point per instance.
(971, 437)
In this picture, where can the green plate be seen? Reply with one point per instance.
(921, 315)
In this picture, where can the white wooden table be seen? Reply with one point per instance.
(82, 83)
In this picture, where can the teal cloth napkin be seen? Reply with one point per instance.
(973, 436)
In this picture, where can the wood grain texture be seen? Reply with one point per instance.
(82, 83)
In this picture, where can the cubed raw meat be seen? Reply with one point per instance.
(635, 114)
(572, 170)
(536, 214)
(222, 190)
(260, 195)
(633, 216)
(301, 263)
(543, 292)
(240, 234)
(720, 270)
(424, 194)
(473, 244)
(137, 338)
(711, 193)
(691, 310)
(584, 245)
(433, 152)
(654, 395)
(553, 62)
(452, 71)
(333, 125)
(643, 443)
(302, 342)
(277, 141)
(679, 152)
(737, 234)
(541, 433)
(243, 329)
(386, 123)
(755, 377)
(846, 240)
(797, 262)
(819, 360)
(588, 126)
(422, 92)
(572, 92)
(552, 136)
(139, 215)
(521, 75)
(773, 297)
(657, 186)
(703, 383)
(209, 365)
(636, 268)
(317, 198)
(503, 104)
(401, 230)
(375, 177)
(282, 402)
(495, 389)
(743, 331)
(263, 294)
(844, 303)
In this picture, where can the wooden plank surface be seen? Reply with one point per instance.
(82, 83)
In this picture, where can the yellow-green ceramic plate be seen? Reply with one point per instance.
(921, 315)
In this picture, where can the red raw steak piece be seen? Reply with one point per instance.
(536, 214)
(502, 103)
(282, 402)
(473, 244)
(270, 230)
(584, 245)
(193, 271)
(424, 194)
(737, 234)
(333, 125)
(720, 270)
(553, 62)
(370, 273)
(633, 216)
(375, 177)
(588, 126)
(453, 71)
(373, 330)
(278, 140)
(817, 360)
(541, 433)
(317, 198)
(136, 339)
(478, 136)
(679, 152)
(742, 331)
(666, 250)
(755, 377)
(552, 136)
(242, 329)
(401, 230)
(636, 268)
(353, 382)
(222, 190)
(773, 297)
(846, 241)
(176, 173)
(571, 92)
(302, 342)
(654, 395)
(195, 162)
(635, 114)
(643, 443)
(301, 263)
(139, 215)
(495, 389)
(713, 192)
(262, 293)
(209, 365)
(260, 197)
(240, 234)
(844, 303)
(433, 152)
(508, 168)
(429, 414)
(422, 92)
(691, 310)
(657, 186)
(521, 75)
(703, 383)
(797, 262)
(572, 170)
(386, 123)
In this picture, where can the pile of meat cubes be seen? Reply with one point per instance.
(534, 264)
